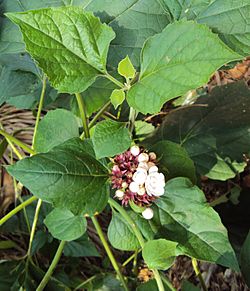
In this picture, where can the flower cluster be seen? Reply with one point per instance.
(136, 178)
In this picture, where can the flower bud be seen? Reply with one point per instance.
(124, 184)
(143, 157)
(142, 165)
(141, 191)
(135, 150)
(152, 156)
(134, 187)
(148, 213)
(119, 194)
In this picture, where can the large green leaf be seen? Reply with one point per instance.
(174, 160)
(55, 128)
(64, 225)
(159, 254)
(67, 176)
(215, 131)
(110, 138)
(245, 259)
(133, 22)
(190, 221)
(72, 58)
(176, 61)
(120, 234)
(231, 19)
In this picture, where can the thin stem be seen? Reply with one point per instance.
(17, 209)
(17, 142)
(83, 114)
(131, 258)
(33, 229)
(198, 274)
(108, 251)
(114, 80)
(18, 154)
(40, 107)
(53, 265)
(165, 280)
(85, 282)
(132, 117)
(99, 114)
(137, 233)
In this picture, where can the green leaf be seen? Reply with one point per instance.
(174, 160)
(82, 247)
(68, 176)
(190, 221)
(64, 225)
(72, 58)
(56, 127)
(133, 22)
(228, 18)
(120, 234)
(126, 68)
(117, 97)
(215, 131)
(151, 285)
(15, 83)
(143, 129)
(245, 259)
(110, 138)
(170, 55)
(159, 254)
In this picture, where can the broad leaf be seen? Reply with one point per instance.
(174, 160)
(245, 259)
(72, 58)
(190, 221)
(133, 22)
(180, 50)
(55, 128)
(121, 235)
(82, 247)
(110, 138)
(67, 176)
(229, 18)
(64, 225)
(159, 254)
(215, 131)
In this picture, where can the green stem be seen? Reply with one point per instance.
(40, 107)
(138, 234)
(114, 80)
(53, 264)
(108, 251)
(17, 142)
(33, 229)
(99, 114)
(17, 209)
(83, 114)
(85, 282)
(132, 118)
(198, 274)
(18, 154)
(131, 258)
(165, 280)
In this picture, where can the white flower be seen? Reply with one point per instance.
(143, 157)
(124, 184)
(140, 176)
(153, 169)
(155, 184)
(119, 194)
(134, 187)
(135, 150)
(148, 213)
